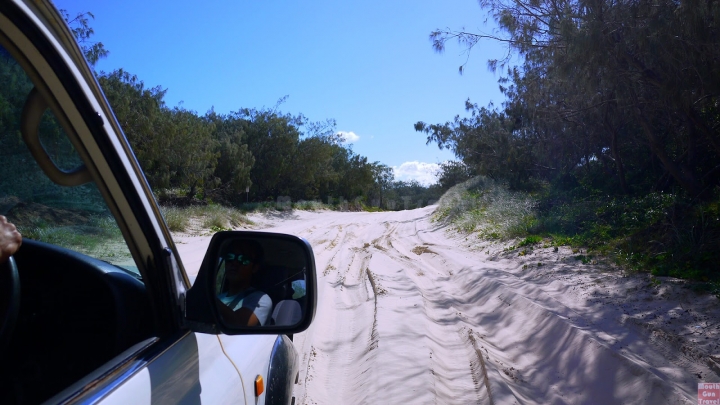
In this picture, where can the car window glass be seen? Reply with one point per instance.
(77, 217)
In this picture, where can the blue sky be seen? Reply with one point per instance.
(367, 64)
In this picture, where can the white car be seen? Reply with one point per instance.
(96, 306)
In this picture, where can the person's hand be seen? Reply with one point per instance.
(10, 239)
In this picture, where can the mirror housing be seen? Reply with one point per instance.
(265, 277)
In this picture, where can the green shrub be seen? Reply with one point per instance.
(531, 240)
(661, 233)
(664, 234)
(309, 205)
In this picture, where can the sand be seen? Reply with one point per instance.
(411, 312)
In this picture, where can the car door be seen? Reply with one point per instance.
(135, 262)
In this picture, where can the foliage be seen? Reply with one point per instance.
(662, 233)
(488, 208)
(310, 205)
(175, 218)
(530, 240)
(410, 195)
(273, 155)
(665, 234)
(453, 172)
(209, 216)
(81, 29)
(85, 238)
(234, 158)
(643, 119)
(383, 177)
(612, 115)
(488, 143)
(174, 146)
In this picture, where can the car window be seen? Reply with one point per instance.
(76, 217)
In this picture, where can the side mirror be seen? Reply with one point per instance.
(254, 283)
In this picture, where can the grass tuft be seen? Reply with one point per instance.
(176, 219)
(211, 216)
(310, 205)
(488, 208)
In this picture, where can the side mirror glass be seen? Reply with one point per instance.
(257, 282)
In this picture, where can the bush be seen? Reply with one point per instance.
(309, 205)
(666, 234)
(530, 240)
(487, 207)
(663, 233)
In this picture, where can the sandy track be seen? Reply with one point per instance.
(407, 314)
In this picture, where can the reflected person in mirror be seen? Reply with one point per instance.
(243, 304)
(10, 239)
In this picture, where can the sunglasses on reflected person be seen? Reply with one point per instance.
(241, 259)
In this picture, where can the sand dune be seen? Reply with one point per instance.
(411, 313)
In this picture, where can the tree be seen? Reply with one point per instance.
(629, 87)
(272, 139)
(189, 152)
(139, 112)
(80, 27)
(383, 177)
(489, 143)
(175, 147)
(453, 172)
(274, 153)
(313, 166)
(235, 161)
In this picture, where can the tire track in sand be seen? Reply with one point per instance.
(414, 324)
(342, 368)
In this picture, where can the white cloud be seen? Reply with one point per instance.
(423, 173)
(348, 137)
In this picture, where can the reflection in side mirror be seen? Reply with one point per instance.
(261, 281)
(254, 288)
(253, 283)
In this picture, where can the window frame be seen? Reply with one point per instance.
(60, 73)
